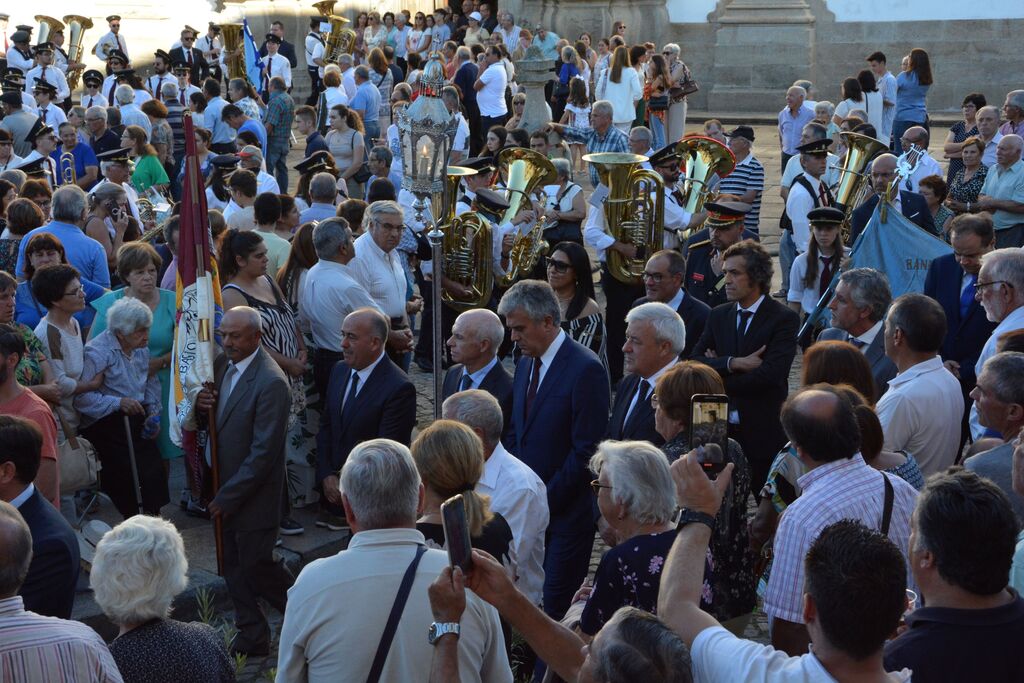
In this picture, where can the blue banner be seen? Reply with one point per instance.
(898, 248)
(253, 63)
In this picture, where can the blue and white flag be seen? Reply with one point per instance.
(253, 63)
(898, 248)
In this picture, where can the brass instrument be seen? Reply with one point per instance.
(146, 211)
(67, 173)
(340, 41)
(634, 210)
(705, 158)
(77, 25)
(325, 8)
(524, 171)
(47, 25)
(467, 245)
(233, 60)
(860, 149)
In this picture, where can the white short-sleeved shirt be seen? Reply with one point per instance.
(491, 99)
(807, 296)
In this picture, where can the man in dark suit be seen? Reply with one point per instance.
(476, 336)
(858, 308)
(751, 342)
(189, 55)
(250, 401)
(951, 281)
(368, 397)
(655, 337)
(663, 280)
(286, 49)
(49, 587)
(910, 204)
(559, 414)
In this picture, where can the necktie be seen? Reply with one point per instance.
(181, 98)
(641, 396)
(531, 392)
(741, 328)
(822, 198)
(226, 387)
(110, 95)
(189, 55)
(350, 399)
(826, 273)
(467, 382)
(42, 114)
(120, 45)
(967, 296)
(159, 82)
(859, 343)
(43, 75)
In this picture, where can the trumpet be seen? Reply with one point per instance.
(67, 169)
(78, 25)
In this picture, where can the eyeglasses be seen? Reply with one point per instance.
(979, 286)
(667, 53)
(559, 266)
(597, 486)
(75, 292)
(653, 277)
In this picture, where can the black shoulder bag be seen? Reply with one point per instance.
(396, 615)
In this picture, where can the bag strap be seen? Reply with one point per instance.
(53, 339)
(396, 615)
(887, 509)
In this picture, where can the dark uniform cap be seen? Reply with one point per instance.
(271, 38)
(92, 76)
(826, 215)
(491, 201)
(113, 17)
(745, 132)
(180, 66)
(665, 154)
(13, 71)
(37, 168)
(44, 86)
(124, 74)
(162, 55)
(317, 161)
(43, 47)
(478, 164)
(117, 54)
(20, 36)
(816, 147)
(115, 155)
(225, 160)
(38, 130)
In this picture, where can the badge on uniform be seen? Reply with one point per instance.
(698, 277)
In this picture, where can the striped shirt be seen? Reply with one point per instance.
(749, 175)
(38, 648)
(613, 140)
(844, 489)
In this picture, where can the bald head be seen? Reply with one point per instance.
(240, 331)
(987, 120)
(476, 336)
(15, 550)
(1008, 150)
(821, 424)
(795, 97)
(916, 135)
(883, 170)
(363, 335)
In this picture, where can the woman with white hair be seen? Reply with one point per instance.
(139, 568)
(637, 499)
(680, 73)
(129, 391)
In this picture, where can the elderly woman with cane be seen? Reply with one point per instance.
(122, 417)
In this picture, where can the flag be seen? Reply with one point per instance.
(898, 248)
(253, 63)
(199, 310)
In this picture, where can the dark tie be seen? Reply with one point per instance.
(531, 392)
(967, 296)
(226, 383)
(350, 399)
(741, 328)
(859, 343)
(641, 395)
(826, 274)
(182, 98)
(42, 114)
(159, 82)
(822, 197)
(43, 74)
(467, 382)
(110, 95)
(189, 55)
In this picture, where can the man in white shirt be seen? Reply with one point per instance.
(111, 40)
(114, 167)
(403, 30)
(251, 158)
(460, 148)
(275, 64)
(807, 192)
(507, 31)
(131, 115)
(321, 641)
(161, 73)
(46, 71)
(886, 83)
(924, 166)
(490, 90)
(314, 51)
(49, 111)
(922, 410)
(516, 492)
(987, 120)
(348, 75)
(811, 132)
(19, 56)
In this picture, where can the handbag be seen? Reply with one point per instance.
(658, 103)
(76, 458)
(363, 174)
(394, 617)
(687, 87)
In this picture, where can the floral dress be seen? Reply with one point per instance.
(960, 133)
(963, 192)
(301, 451)
(29, 372)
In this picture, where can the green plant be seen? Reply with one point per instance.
(240, 661)
(270, 674)
(204, 601)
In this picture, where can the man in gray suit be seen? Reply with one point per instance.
(858, 310)
(251, 402)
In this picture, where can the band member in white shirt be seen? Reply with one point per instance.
(111, 40)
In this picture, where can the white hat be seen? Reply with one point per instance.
(475, 16)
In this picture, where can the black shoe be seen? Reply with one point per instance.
(326, 520)
(194, 509)
(424, 364)
(289, 527)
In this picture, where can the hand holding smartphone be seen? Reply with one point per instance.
(456, 533)
(709, 431)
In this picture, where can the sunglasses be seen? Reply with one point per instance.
(558, 266)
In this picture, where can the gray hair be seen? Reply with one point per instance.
(329, 235)
(124, 94)
(16, 540)
(990, 109)
(817, 131)
(1006, 370)
(237, 84)
(485, 326)
(805, 84)
(798, 90)
(140, 566)
(603, 106)
(15, 176)
(363, 72)
(671, 47)
(639, 475)
(1000, 264)
(463, 53)
(105, 192)
(169, 90)
(642, 643)
(642, 132)
(667, 325)
(1016, 98)
(128, 315)
(68, 204)
(323, 187)
(384, 206)
(869, 288)
(535, 298)
(562, 167)
(346, 59)
(381, 154)
(477, 410)
(381, 483)
(333, 68)
(828, 106)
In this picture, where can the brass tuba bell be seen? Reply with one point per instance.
(860, 149)
(47, 25)
(235, 62)
(77, 25)
(339, 40)
(524, 171)
(705, 158)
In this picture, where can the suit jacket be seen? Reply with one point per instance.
(385, 408)
(49, 588)
(251, 431)
(694, 313)
(497, 383)
(912, 205)
(882, 368)
(757, 395)
(966, 335)
(567, 420)
(200, 69)
(640, 425)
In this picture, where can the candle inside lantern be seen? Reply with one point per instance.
(425, 161)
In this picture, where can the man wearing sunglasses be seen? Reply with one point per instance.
(186, 53)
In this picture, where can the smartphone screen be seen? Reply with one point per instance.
(709, 430)
(456, 533)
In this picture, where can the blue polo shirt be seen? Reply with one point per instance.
(82, 251)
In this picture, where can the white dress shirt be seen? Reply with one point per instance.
(364, 377)
(53, 115)
(491, 98)
(798, 205)
(266, 182)
(240, 367)
(921, 413)
(651, 381)
(476, 378)
(924, 167)
(335, 96)
(519, 495)
(51, 75)
(114, 41)
(155, 82)
(277, 65)
(868, 337)
(381, 275)
(327, 296)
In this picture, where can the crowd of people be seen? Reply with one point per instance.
(872, 513)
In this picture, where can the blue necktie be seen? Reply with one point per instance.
(967, 297)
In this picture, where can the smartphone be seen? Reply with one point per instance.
(709, 430)
(115, 211)
(456, 533)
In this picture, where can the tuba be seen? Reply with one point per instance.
(77, 25)
(524, 171)
(340, 41)
(860, 149)
(47, 25)
(467, 245)
(67, 173)
(232, 35)
(634, 210)
(705, 158)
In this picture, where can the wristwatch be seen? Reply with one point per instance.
(437, 630)
(687, 516)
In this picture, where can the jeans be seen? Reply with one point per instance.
(277, 164)
(658, 133)
(787, 254)
(372, 132)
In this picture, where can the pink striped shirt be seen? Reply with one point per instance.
(844, 489)
(38, 648)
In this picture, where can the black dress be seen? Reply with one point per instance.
(495, 538)
(169, 651)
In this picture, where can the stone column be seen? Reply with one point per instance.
(761, 47)
(532, 73)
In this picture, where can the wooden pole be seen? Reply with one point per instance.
(218, 523)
